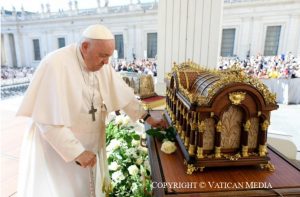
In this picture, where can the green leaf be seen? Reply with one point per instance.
(128, 139)
(136, 137)
(155, 133)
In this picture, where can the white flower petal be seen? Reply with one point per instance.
(133, 170)
(168, 147)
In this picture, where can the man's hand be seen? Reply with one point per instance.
(86, 159)
(157, 123)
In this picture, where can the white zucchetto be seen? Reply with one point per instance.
(98, 32)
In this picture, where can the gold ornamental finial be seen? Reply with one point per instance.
(200, 153)
(190, 169)
(202, 127)
(265, 125)
(237, 97)
(269, 166)
(219, 126)
(247, 125)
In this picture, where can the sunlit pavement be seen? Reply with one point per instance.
(12, 129)
(284, 121)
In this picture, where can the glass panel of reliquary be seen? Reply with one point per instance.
(209, 134)
(253, 132)
(231, 132)
(208, 81)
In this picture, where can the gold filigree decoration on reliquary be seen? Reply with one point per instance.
(253, 133)
(231, 133)
(209, 134)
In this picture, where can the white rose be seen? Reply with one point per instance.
(139, 161)
(168, 147)
(113, 166)
(134, 187)
(133, 170)
(139, 128)
(131, 152)
(147, 165)
(113, 145)
(135, 142)
(109, 153)
(126, 120)
(117, 176)
(143, 149)
(119, 119)
(143, 136)
(122, 119)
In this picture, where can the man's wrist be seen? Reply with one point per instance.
(148, 115)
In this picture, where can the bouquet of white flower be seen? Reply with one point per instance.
(127, 161)
(168, 137)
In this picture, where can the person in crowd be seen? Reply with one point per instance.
(273, 74)
(262, 74)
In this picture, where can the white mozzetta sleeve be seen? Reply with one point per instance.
(62, 140)
(134, 109)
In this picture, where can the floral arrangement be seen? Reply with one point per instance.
(168, 137)
(128, 163)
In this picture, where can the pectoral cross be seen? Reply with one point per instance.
(93, 111)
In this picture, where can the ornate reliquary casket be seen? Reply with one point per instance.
(142, 84)
(221, 117)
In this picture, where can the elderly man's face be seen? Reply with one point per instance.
(96, 53)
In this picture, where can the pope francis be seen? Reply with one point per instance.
(63, 153)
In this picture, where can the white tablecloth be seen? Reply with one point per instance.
(287, 90)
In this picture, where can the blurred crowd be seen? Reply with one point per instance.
(15, 80)
(13, 73)
(144, 66)
(283, 66)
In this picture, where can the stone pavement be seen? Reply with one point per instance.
(12, 129)
(286, 120)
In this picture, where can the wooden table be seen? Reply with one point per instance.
(221, 181)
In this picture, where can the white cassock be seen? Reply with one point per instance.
(58, 100)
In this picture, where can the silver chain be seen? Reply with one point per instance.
(87, 82)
